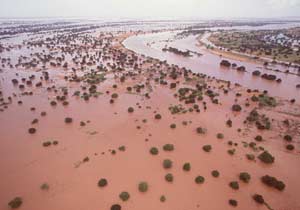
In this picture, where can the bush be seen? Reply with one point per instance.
(186, 167)
(102, 182)
(44, 186)
(143, 187)
(220, 136)
(173, 126)
(130, 110)
(15, 203)
(47, 144)
(236, 108)
(232, 202)
(124, 196)
(31, 130)
(169, 177)
(199, 179)
(258, 198)
(201, 130)
(288, 138)
(154, 151)
(167, 163)
(162, 198)
(266, 157)
(258, 138)
(290, 147)
(168, 147)
(234, 185)
(207, 148)
(245, 177)
(215, 173)
(157, 116)
(250, 156)
(115, 207)
(68, 120)
(273, 182)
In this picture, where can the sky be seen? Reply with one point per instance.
(151, 8)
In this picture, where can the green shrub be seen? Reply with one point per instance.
(245, 177)
(290, 147)
(258, 198)
(168, 147)
(154, 151)
(162, 198)
(143, 187)
(199, 179)
(201, 130)
(157, 116)
(124, 196)
(250, 156)
(234, 185)
(130, 110)
(68, 120)
(207, 148)
(186, 167)
(220, 136)
(102, 182)
(169, 177)
(44, 186)
(266, 157)
(167, 163)
(16, 202)
(232, 202)
(215, 173)
(273, 182)
(173, 126)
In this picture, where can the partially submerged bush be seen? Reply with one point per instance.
(234, 185)
(16, 202)
(215, 173)
(220, 136)
(273, 182)
(31, 130)
(162, 198)
(173, 126)
(143, 187)
(167, 163)
(44, 186)
(290, 147)
(186, 167)
(115, 207)
(245, 177)
(130, 110)
(250, 156)
(124, 196)
(232, 202)
(266, 157)
(236, 108)
(207, 148)
(68, 120)
(168, 147)
(258, 198)
(154, 151)
(157, 116)
(169, 177)
(199, 179)
(102, 182)
(201, 130)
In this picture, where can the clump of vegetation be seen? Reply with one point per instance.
(186, 167)
(31, 130)
(154, 151)
(265, 100)
(266, 157)
(177, 109)
(236, 108)
(143, 187)
(290, 147)
(234, 185)
(273, 182)
(15, 203)
(201, 130)
(157, 116)
(47, 143)
(168, 147)
(245, 177)
(220, 136)
(44, 186)
(102, 182)
(169, 177)
(288, 138)
(231, 151)
(207, 148)
(130, 110)
(162, 198)
(68, 120)
(261, 121)
(232, 202)
(215, 173)
(250, 156)
(173, 126)
(115, 207)
(258, 138)
(258, 198)
(122, 148)
(167, 163)
(199, 179)
(124, 196)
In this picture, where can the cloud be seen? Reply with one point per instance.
(283, 3)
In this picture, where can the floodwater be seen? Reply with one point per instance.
(151, 45)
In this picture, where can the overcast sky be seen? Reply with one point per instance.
(150, 8)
